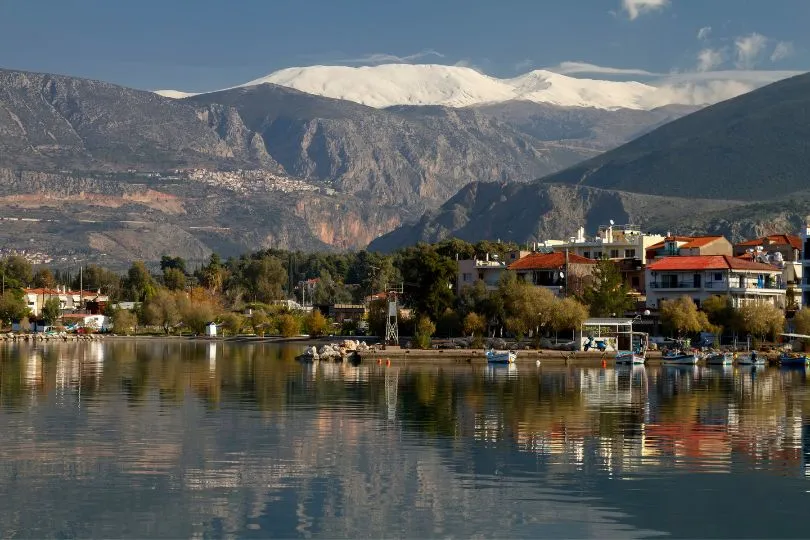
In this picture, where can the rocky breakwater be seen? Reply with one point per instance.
(334, 352)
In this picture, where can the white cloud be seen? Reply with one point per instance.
(749, 49)
(782, 50)
(712, 86)
(384, 58)
(634, 8)
(573, 68)
(704, 33)
(524, 64)
(710, 59)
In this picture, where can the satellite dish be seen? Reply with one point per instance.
(562, 274)
(611, 222)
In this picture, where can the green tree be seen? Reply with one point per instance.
(139, 283)
(429, 279)
(259, 321)
(682, 316)
(12, 306)
(801, 321)
(174, 279)
(96, 278)
(43, 279)
(51, 310)
(17, 271)
(568, 314)
(474, 326)
(175, 263)
(162, 310)
(124, 322)
(232, 322)
(473, 298)
(328, 291)
(607, 295)
(721, 312)
(214, 275)
(289, 325)
(762, 320)
(424, 331)
(316, 324)
(265, 278)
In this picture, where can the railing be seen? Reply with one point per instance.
(683, 285)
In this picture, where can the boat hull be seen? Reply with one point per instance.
(501, 357)
(628, 358)
(793, 361)
(680, 360)
(719, 360)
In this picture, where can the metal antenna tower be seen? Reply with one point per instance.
(391, 321)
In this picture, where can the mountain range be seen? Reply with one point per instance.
(94, 171)
(737, 168)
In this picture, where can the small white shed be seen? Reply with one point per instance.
(211, 329)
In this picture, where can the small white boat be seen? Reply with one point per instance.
(750, 359)
(629, 357)
(719, 359)
(680, 359)
(501, 357)
(639, 343)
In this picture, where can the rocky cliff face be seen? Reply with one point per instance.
(120, 173)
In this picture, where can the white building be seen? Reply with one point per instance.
(702, 276)
(615, 242)
(489, 269)
(68, 300)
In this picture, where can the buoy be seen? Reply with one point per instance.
(388, 362)
(537, 363)
(604, 363)
(379, 361)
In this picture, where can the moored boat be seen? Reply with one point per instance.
(786, 359)
(679, 358)
(501, 357)
(750, 359)
(629, 357)
(719, 359)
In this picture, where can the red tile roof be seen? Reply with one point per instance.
(542, 261)
(774, 239)
(709, 262)
(688, 241)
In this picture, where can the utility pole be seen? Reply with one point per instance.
(567, 275)
(81, 288)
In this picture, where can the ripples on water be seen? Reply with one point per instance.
(195, 439)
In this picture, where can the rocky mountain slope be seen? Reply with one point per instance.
(104, 171)
(737, 168)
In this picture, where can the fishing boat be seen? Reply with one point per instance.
(679, 358)
(786, 359)
(636, 356)
(501, 357)
(750, 359)
(629, 357)
(719, 359)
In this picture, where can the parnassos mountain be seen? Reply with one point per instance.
(92, 170)
(738, 168)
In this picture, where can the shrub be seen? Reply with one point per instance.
(424, 330)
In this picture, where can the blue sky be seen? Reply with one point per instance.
(199, 45)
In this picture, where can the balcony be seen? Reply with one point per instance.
(671, 286)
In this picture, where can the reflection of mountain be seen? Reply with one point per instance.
(192, 439)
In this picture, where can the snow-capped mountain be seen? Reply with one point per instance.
(454, 86)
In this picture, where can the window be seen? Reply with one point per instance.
(629, 253)
(669, 281)
(597, 254)
(467, 276)
(634, 282)
(481, 276)
(614, 253)
(587, 255)
(718, 276)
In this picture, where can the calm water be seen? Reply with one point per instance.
(191, 439)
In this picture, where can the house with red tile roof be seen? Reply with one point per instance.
(702, 276)
(781, 250)
(551, 270)
(68, 300)
(488, 269)
(686, 246)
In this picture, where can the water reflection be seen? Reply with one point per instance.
(188, 439)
